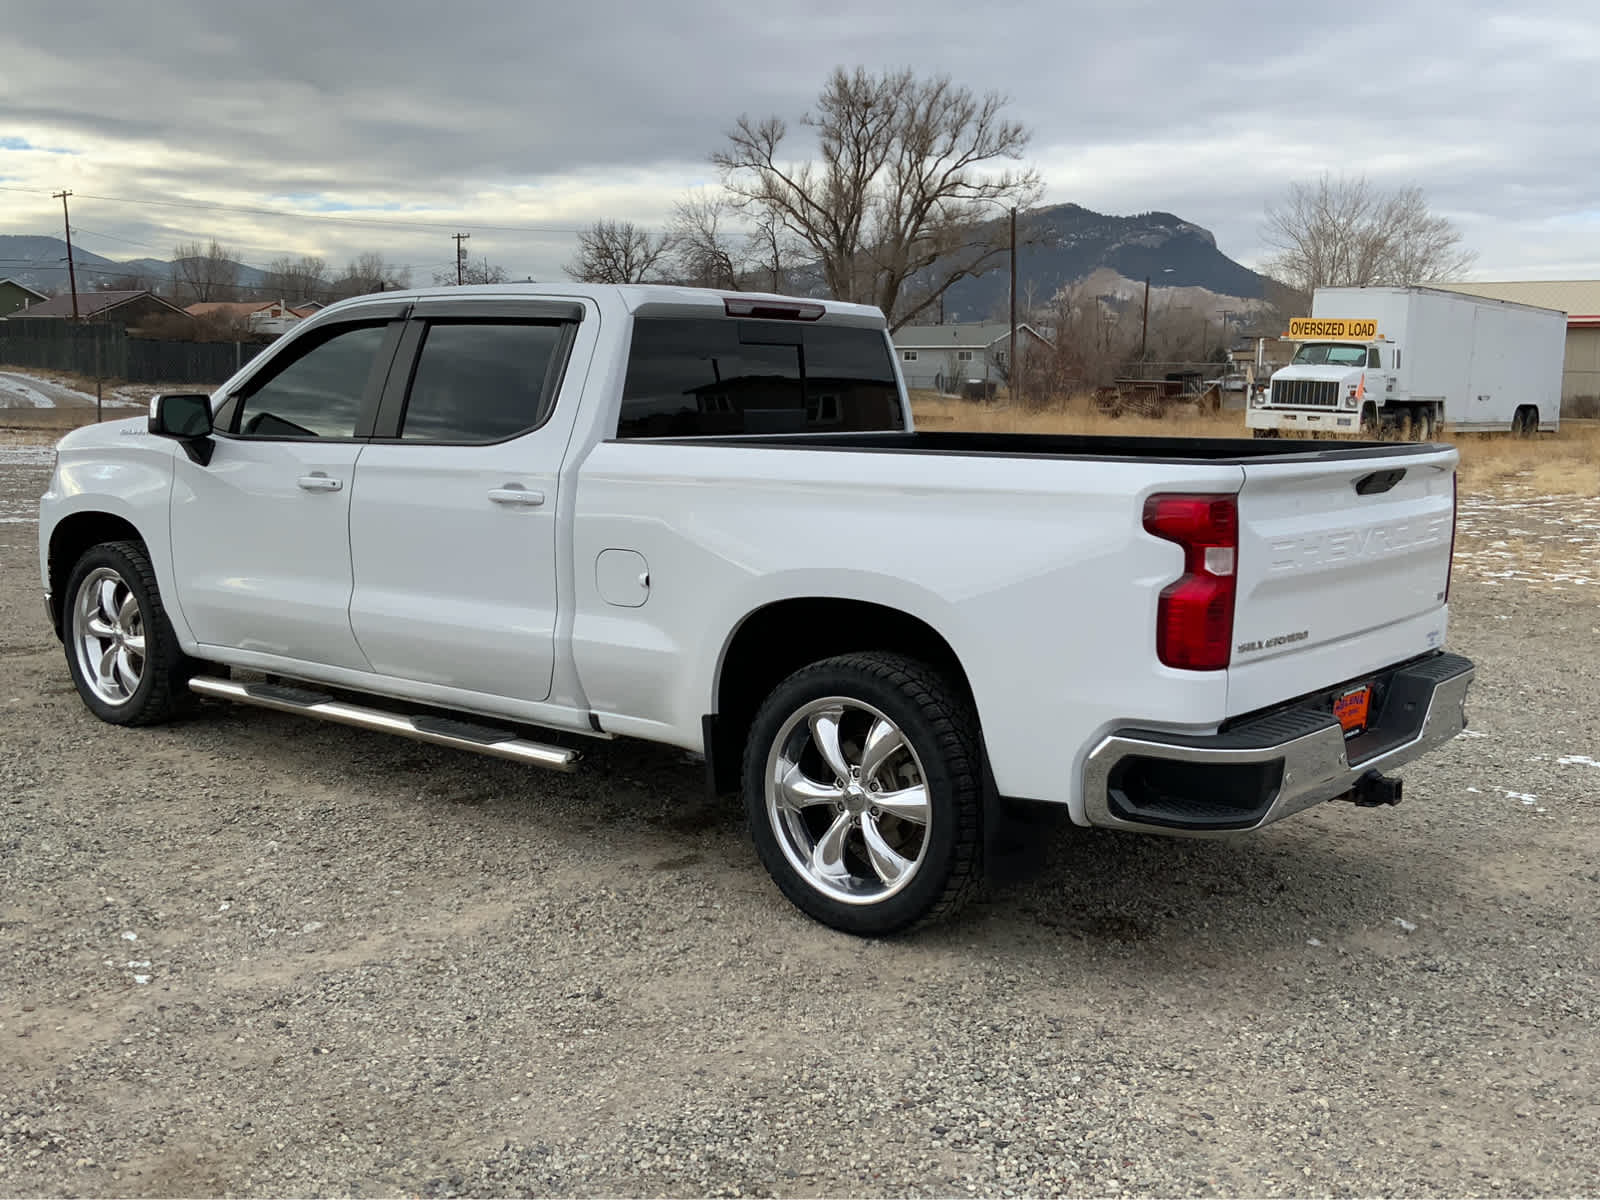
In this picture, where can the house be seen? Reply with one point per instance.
(16, 296)
(1580, 300)
(125, 308)
(261, 316)
(949, 358)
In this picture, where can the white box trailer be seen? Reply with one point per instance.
(1404, 360)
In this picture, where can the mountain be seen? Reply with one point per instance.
(41, 263)
(1068, 244)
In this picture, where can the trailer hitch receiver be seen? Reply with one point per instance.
(1375, 789)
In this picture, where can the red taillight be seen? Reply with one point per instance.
(767, 310)
(1455, 503)
(1194, 620)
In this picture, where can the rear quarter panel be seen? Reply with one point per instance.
(1037, 572)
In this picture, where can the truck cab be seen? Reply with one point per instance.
(1338, 385)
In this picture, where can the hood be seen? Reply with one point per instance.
(1334, 374)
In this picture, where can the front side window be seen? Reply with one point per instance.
(318, 394)
(694, 377)
(481, 382)
(1373, 359)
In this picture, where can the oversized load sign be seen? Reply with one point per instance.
(1332, 327)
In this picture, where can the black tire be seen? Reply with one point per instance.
(1264, 433)
(942, 746)
(1526, 422)
(163, 669)
(1371, 427)
(1422, 424)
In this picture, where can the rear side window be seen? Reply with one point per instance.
(701, 377)
(481, 382)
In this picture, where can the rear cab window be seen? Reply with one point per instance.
(700, 377)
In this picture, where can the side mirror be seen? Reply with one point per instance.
(185, 417)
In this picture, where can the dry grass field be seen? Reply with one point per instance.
(1565, 463)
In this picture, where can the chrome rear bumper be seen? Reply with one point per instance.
(1268, 767)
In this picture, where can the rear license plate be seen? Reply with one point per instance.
(1352, 709)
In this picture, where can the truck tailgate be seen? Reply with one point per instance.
(1342, 568)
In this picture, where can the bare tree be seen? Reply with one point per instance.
(1347, 233)
(619, 252)
(369, 272)
(706, 251)
(204, 273)
(900, 205)
(471, 272)
(296, 279)
(772, 253)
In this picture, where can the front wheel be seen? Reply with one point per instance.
(121, 650)
(864, 790)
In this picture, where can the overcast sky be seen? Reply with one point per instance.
(545, 116)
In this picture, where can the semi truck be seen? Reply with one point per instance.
(1404, 361)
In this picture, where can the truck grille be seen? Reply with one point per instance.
(1305, 393)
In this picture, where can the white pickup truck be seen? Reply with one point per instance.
(473, 516)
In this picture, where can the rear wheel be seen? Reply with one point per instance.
(121, 650)
(863, 786)
(1422, 425)
(1525, 423)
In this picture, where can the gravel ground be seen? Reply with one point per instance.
(251, 954)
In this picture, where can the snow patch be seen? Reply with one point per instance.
(26, 456)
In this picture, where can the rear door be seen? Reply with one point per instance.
(453, 516)
(1343, 563)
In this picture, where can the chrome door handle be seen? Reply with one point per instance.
(320, 483)
(516, 495)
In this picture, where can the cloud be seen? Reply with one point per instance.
(545, 117)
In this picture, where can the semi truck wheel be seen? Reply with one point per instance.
(863, 785)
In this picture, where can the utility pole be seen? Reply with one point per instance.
(72, 274)
(460, 237)
(1144, 328)
(1016, 373)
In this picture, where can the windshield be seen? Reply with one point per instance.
(1334, 354)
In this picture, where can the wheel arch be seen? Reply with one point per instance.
(777, 639)
(72, 536)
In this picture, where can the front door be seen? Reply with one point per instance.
(261, 534)
(453, 515)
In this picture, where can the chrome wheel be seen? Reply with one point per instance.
(847, 797)
(108, 636)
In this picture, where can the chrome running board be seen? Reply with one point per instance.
(441, 731)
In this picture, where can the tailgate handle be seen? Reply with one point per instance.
(1379, 481)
